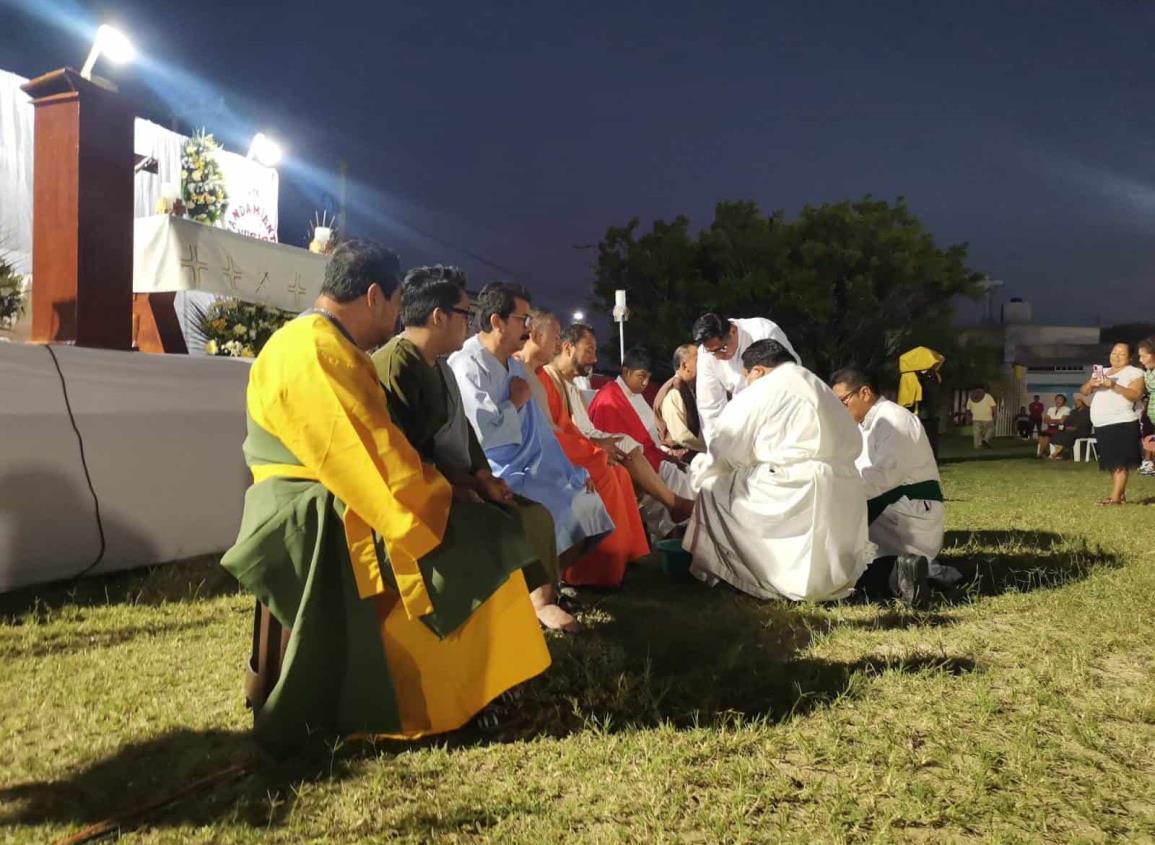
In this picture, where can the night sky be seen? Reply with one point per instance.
(504, 140)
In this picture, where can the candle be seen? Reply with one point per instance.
(321, 235)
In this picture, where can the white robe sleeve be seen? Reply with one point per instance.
(496, 422)
(711, 394)
(735, 432)
(880, 463)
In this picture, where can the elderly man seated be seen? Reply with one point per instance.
(781, 510)
(676, 405)
(904, 507)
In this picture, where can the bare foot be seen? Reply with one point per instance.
(681, 510)
(553, 618)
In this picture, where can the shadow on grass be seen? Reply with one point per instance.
(58, 644)
(148, 783)
(996, 562)
(662, 653)
(194, 579)
(658, 654)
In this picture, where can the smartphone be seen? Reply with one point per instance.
(1097, 372)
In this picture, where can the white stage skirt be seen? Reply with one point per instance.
(162, 436)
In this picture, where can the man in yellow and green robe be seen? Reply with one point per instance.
(408, 610)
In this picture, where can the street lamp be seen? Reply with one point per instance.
(110, 43)
(264, 150)
(578, 316)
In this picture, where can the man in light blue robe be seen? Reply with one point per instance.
(513, 431)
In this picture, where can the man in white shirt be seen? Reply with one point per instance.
(781, 510)
(904, 497)
(982, 407)
(721, 343)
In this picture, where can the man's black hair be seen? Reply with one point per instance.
(498, 298)
(574, 332)
(357, 265)
(426, 289)
(638, 358)
(854, 378)
(710, 327)
(766, 353)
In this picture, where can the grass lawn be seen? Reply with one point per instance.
(1023, 711)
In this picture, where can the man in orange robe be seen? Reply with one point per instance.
(605, 566)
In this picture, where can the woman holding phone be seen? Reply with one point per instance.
(1115, 393)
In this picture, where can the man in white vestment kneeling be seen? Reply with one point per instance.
(781, 509)
(904, 497)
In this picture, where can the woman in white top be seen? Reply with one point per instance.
(1053, 421)
(1115, 409)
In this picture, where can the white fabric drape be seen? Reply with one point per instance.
(162, 436)
(781, 508)
(253, 189)
(15, 172)
(173, 254)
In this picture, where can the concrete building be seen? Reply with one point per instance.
(1037, 359)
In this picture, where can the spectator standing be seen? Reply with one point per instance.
(1147, 360)
(981, 408)
(1036, 410)
(1116, 393)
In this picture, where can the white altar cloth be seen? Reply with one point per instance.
(162, 436)
(174, 254)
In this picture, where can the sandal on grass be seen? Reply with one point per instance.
(1112, 502)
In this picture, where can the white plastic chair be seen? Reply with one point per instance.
(1089, 443)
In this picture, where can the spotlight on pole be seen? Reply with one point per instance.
(621, 314)
(578, 316)
(264, 150)
(110, 43)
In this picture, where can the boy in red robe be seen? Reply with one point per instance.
(620, 406)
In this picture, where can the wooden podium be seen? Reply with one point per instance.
(82, 212)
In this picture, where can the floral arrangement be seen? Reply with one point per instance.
(11, 294)
(202, 185)
(236, 329)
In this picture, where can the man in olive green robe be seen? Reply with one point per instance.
(408, 609)
(425, 402)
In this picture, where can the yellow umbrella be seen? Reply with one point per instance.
(910, 363)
